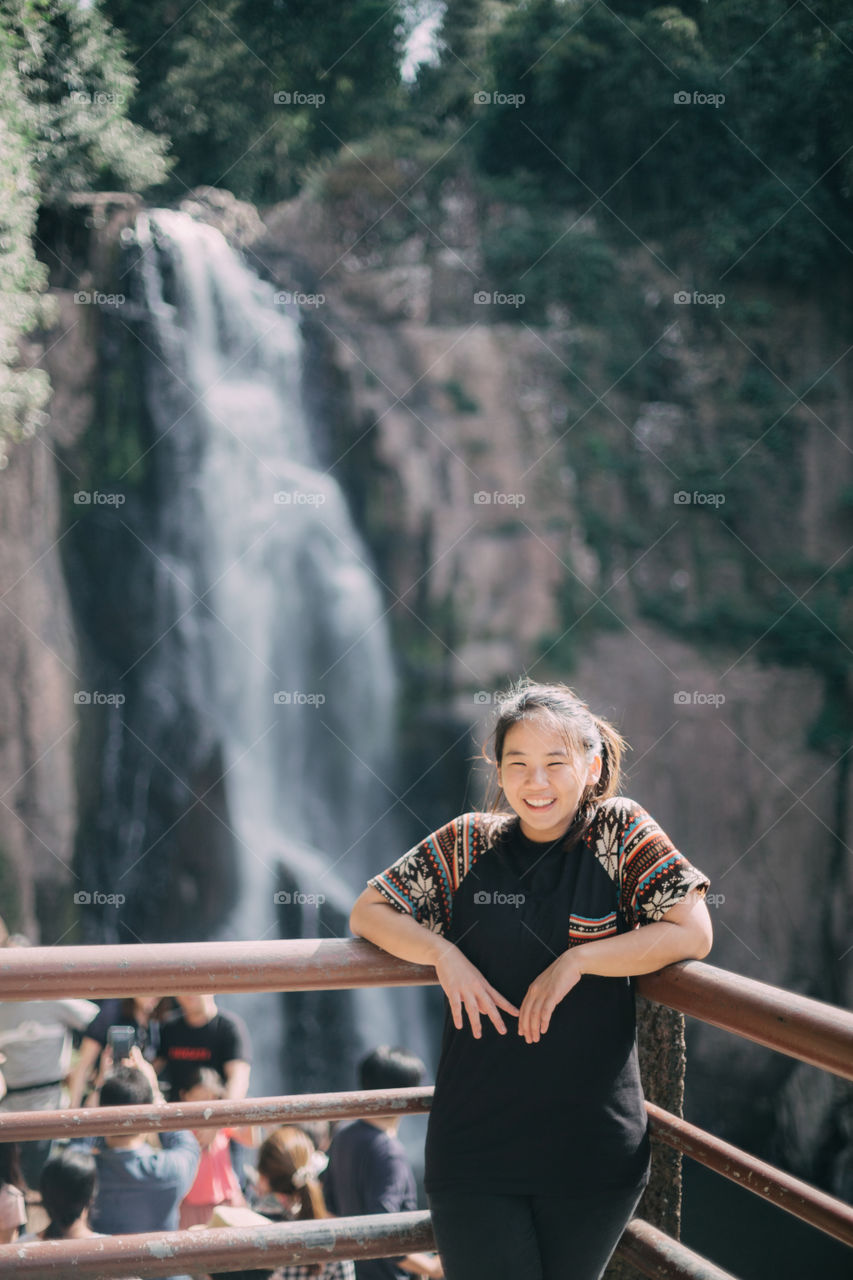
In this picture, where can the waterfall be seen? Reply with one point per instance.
(272, 627)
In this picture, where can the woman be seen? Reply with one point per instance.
(537, 1148)
(143, 1013)
(289, 1167)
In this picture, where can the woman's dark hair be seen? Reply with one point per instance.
(68, 1186)
(586, 734)
(10, 1165)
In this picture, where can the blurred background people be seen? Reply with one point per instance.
(369, 1171)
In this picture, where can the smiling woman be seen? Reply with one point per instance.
(534, 910)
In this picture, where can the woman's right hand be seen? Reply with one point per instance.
(464, 985)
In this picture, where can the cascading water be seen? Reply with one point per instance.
(269, 636)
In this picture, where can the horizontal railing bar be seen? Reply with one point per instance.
(656, 1254)
(169, 968)
(810, 1030)
(816, 1207)
(83, 1122)
(212, 1249)
(807, 1029)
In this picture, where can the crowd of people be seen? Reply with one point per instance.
(143, 1052)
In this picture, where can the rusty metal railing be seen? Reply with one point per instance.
(231, 1248)
(803, 1028)
(830, 1215)
(807, 1029)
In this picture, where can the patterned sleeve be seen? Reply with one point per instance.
(422, 883)
(652, 874)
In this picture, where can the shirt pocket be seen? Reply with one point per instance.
(590, 928)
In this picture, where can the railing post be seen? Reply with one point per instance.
(660, 1037)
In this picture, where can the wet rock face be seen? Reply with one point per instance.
(38, 652)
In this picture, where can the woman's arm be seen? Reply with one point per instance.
(685, 934)
(374, 918)
(78, 1078)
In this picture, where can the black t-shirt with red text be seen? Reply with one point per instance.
(185, 1048)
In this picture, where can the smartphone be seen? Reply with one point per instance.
(121, 1040)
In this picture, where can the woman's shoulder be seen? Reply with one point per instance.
(617, 812)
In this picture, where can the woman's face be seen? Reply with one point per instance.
(541, 779)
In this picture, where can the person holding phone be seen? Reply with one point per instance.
(142, 1014)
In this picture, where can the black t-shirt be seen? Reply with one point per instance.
(566, 1114)
(186, 1048)
(112, 1015)
(369, 1172)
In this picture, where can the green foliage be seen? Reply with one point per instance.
(65, 85)
(23, 392)
(251, 93)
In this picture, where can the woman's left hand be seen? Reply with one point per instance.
(545, 993)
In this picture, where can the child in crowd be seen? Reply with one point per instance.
(215, 1182)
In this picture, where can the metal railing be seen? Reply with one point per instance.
(803, 1028)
